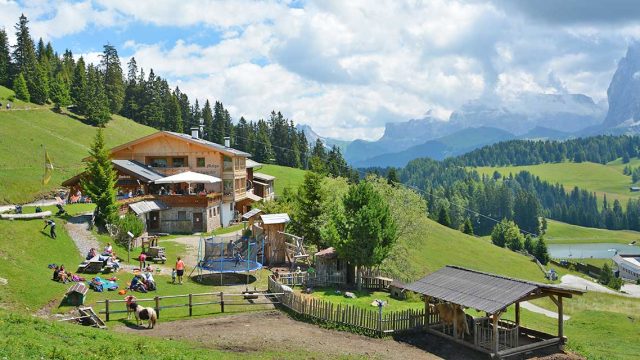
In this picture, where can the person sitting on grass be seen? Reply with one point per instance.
(113, 261)
(137, 284)
(107, 250)
(91, 254)
(63, 276)
(149, 281)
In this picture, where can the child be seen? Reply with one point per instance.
(173, 275)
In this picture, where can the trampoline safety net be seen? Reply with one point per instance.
(230, 255)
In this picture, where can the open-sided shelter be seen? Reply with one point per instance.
(491, 294)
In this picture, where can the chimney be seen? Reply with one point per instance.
(227, 141)
(194, 132)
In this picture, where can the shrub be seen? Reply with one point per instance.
(128, 223)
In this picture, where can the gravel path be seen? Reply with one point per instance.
(579, 283)
(537, 309)
(78, 229)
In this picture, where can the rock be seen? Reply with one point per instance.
(350, 295)
(624, 90)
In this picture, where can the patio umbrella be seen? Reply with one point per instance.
(189, 177)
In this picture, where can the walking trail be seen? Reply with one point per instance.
(537, 309)
(579, 283)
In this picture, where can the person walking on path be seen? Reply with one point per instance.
(143, 261)
(52, 224)
(179, 269)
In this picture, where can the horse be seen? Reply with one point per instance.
(143, 313)
(131, 305)
(447, 314)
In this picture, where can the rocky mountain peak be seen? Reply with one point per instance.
(624, 90)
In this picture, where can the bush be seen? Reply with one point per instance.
(128, 223)
(615, 283)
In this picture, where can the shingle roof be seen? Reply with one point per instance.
(478, 290)
(142, 207)
(261, 176)
(140, 170)
(210, 144)
(251, 213)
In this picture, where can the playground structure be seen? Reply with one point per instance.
(229, 255)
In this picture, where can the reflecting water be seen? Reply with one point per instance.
(598, 251)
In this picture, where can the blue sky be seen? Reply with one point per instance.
(347, 68)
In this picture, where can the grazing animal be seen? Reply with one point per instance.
(131, 305)
(145, 313)
(450, 312)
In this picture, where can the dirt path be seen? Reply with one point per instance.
(78, 229)
(537, 309)
(256, 331)
(576, 282)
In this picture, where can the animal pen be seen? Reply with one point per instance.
(456, 288)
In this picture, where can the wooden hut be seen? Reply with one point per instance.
(274, 247)
(457, 287)
(77, 294)
(397, 290)
(251, 216)
(330, 269)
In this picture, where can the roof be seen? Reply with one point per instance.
(79, 288)
(251, 164)
(139, 170)
(260, 183)
(251, 213)
(478, 290)
(186, 137)
(142, 207)
(398, 284)
(275, 218)
(327, 253)
(189, 177)
(210, 144)
(253, 197)
(257, 175)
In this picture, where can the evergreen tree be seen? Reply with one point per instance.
(528, 244)
(443, 217)
(365, 232)
(20, 88)
(5, 59)
(38, 85)
(605, 274)
(60, 92)
(263, 153)
(310, 200)
(540, 252)
(24, 56)
(79, 87)
(242, 135)
(467, 228)
(113, 78)
(392, 177)
(207, 116)
(97, 111)
(100, 182)
(506, 233)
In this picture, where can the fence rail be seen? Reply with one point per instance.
(372, 322)
(218, 298)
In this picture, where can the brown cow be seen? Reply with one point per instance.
(447, 314)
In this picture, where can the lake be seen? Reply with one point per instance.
(598, 250)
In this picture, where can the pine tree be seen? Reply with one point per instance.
(242, 135)
(443, 217)
(263, 152)
(113, 78)
(38, 85)
(60, 92)
(467, 228)
(540, 252)
(392, 177)
(20, 88)
(207, 116)
(528, 244)
(24, 56)
(79, 87)
(100, 182)
(97, 111)
(5, 59)
(310, 199)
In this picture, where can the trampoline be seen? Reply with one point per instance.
(230, 255)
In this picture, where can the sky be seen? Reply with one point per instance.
(348, 67)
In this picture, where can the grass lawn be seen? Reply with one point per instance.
(601, 179)
(286, 177)
(365, 297)
(67, 140)
(563, 233)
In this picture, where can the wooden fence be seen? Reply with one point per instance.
(193, 300)
(371, 322)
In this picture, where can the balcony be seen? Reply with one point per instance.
(198, 201)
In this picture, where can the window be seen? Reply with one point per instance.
(182, 215)
(215, 211)
(159, 162)
(230, 206)
(210, 212)
(200, 162)
(178, 162)
(227, 187)
(228, 163)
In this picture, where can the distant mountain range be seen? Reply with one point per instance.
(526, 116)
(312, 137)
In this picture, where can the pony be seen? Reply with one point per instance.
(131, 305)
(145, 313)
(450, 312)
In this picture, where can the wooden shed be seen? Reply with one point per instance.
(457, 287)
(251, 216)
(77, 294)
(274, 246)
(397, 290)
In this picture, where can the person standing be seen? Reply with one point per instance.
(143, 261)
(179, 269)
(52, 225)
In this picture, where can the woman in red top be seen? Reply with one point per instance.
(179, 269)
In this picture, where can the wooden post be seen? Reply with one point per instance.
(455, 318)
(560, 318)
(221, 301)
(190, 305)
(157, 306)
(518, 313)
(496, 338)
(106, 309)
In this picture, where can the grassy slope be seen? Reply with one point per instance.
(602, 179)
(25, 132)
(563, 233)
(286, 177)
